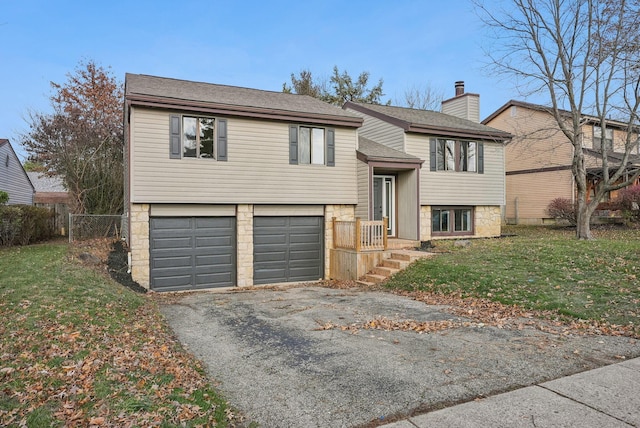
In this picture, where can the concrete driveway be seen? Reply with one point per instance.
(300, 356)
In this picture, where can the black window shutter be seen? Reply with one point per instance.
(480, 158)
(433, 160)
(331, 147)
(293, 145)
(174, 137)
(222, 140)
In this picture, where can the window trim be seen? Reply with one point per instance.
(438, 155)
(176, 142)
(451, 210)
(597, 140)
(295, 145)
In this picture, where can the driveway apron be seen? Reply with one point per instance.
(302, 356)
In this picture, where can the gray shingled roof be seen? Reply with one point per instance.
(187, 91)
(44, 183)
(428, 118)
(374, 150)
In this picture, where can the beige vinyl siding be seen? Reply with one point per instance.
(533, 193)
(466, 107)
(380, 131)
(407, 189)
(537, 141)
(619, 139)
(362, 209)
(191, 210)
(257, 170)
(460, 188)
(288, 210)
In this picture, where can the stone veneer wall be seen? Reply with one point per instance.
(139, 243)
(340, 212)
(244, 219)
(425, 223)
(487, 222)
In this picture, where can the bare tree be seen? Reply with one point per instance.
(422, 97)
(82, 139)
(585, 56)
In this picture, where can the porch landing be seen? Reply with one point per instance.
(393, 262)
(397, 244)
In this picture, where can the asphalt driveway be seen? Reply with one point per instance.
(302, 356)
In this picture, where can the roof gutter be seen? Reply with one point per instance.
(242, 111)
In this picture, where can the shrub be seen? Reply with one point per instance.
(4, 197)
(562, 209)
(10, 224)
(629, 201)
(24, 224)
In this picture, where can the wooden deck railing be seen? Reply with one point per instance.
(360, 235)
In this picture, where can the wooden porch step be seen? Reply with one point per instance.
(397, 255)
(394, 263)
(374, 278)
(385, 270)
(397, 243)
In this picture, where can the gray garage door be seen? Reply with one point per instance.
(189, 253)
(287, 249)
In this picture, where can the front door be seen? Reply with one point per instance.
(384, 198)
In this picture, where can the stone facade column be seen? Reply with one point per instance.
(139, 242)
(488, 221)
(425, 223)
(244, 243)
(340, 212)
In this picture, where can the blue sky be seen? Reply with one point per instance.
(255, 44)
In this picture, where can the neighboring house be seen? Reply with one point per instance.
(13, 178)
(539, 158)
(458, 192)
(51, 193)
(232, 186)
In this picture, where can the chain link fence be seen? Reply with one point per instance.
(91, 226)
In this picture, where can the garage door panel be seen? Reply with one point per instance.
(173, 282)
(171, 262)
(192, 252)
(305, 221)
(220, 261)
(205, 280)
(273, 239)
(225, 242)
(272, 256)
(288, 249)
(271, 275)
(171, 243)
(171, 223)
(311, 255)
(266, 222)
(304, 239)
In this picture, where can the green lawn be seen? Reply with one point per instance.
(540, 268)
(77, 349)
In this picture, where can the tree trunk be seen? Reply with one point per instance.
(583, 221)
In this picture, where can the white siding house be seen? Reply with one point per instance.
(13, 178)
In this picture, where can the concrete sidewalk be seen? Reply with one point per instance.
(605, 397)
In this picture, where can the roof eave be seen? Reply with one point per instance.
(373, 113)
(242, 111)
(456, 132)
(367, 158)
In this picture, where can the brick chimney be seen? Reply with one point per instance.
(463, 105)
